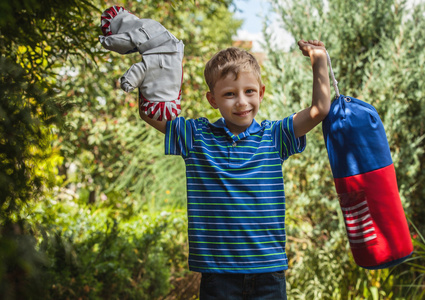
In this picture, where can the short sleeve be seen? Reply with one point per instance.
(284, 135)
(179, 137)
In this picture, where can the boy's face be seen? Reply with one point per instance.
(237, 100)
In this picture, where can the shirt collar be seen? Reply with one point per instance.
(252, 129)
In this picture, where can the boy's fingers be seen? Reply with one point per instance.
(311, 42)
(302, 44)
(306, 46)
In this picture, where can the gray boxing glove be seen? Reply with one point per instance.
(159, 75)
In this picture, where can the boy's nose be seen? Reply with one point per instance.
(242, 101)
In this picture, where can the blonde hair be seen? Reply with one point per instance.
(230, 61)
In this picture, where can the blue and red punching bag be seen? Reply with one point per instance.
(366, 184)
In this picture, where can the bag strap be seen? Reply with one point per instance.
(334, 82)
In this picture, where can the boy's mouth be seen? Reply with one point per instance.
(243, 113)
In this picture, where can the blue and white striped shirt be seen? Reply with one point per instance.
(235, 193)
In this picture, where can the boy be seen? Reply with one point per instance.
(236, 200)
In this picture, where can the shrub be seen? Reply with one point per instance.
(95, 254)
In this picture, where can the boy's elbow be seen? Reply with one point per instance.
(324, 113)
(319, 113)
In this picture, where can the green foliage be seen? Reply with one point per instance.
(411, 279)
(110, 224)
(377, 54)
(68, 133)
(95, 254)
(35, 38)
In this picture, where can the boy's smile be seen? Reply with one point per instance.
(237, 100)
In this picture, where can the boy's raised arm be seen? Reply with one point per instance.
(310, 117)
(158, 125)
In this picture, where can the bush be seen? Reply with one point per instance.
(377, 51)
(95, 254)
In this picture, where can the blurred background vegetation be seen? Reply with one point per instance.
(90, 208)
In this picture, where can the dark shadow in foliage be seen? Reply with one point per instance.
(36, 38)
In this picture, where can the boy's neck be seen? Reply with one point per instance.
(236, 130)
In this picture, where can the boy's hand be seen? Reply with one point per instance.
(311, 47)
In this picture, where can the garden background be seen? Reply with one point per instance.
(90, 208)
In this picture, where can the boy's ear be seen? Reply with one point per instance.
(211, 100)
(262, 91)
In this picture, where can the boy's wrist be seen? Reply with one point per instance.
(318, 55)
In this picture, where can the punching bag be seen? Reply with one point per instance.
(365, 182)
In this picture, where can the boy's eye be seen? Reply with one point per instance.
(228, 94)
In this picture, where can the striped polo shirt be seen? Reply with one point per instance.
(235, 193)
